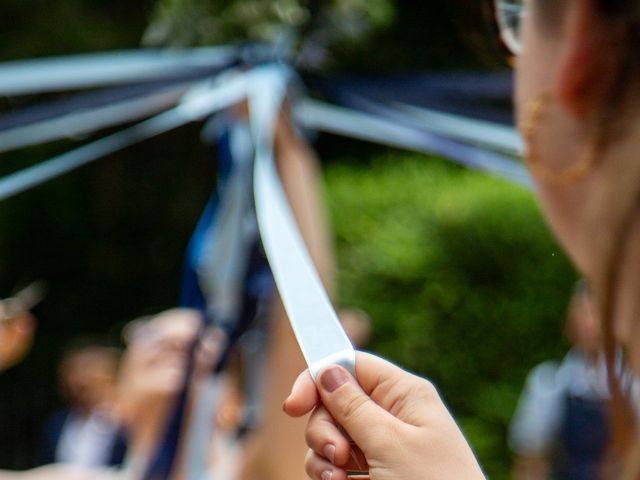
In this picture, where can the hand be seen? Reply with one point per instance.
(397, 421)
(16, 337)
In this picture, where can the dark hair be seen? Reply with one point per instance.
(629, 11)
(617, 7)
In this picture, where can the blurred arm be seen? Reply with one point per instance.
(300, 175)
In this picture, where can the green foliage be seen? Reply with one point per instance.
(310, 25)
(461, 278)
(36, 28)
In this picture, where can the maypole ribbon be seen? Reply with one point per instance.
(28, 77)
(319, 333)
(490, 135)
(364, 126)
(87, 121)
(198, 103)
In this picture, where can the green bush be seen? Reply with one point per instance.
(463, 281)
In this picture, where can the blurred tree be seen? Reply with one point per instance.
(35, 28)
(355, 35)
(310, 27)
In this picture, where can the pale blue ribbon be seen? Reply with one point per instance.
(28, 77)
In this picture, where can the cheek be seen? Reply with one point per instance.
(562, 209)
(573, 215)
(555, 142)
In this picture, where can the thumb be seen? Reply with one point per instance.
(353, 409)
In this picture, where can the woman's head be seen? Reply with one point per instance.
(578, 107)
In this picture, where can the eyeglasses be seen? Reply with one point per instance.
(509, 14)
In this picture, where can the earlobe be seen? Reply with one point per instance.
(591, 57)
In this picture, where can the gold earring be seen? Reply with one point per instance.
(534, 112)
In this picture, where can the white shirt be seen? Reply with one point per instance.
(539, 413)
(86, 441)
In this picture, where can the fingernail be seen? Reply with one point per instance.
(326, 475)
(330, 453)
(333, 378)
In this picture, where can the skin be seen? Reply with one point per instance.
(87, 379)
(398, 420)
(16, 337)
(597, 219)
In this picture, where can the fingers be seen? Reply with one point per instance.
(303, 398)
(378, 378)
(325, 438)
(373, 375)
(319, 468)
(404, 395)
(382, 393)
(368, 424)
(391, 416)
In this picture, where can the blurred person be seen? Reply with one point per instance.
(578, 108)
(84, 432)
(560, 429)
(151, 373)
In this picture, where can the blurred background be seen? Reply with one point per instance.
(456, 269)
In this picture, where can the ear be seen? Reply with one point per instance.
(591, 58)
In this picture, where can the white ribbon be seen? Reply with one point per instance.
(84, 122)
(199, 103)
(28, 77)
(491, 135)
(354, 124)
(314, 321)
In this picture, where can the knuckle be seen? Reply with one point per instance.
(354, 406)
(429, 387)
(423, 388)
(309, 437)
(314, 437)
(318, 429)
